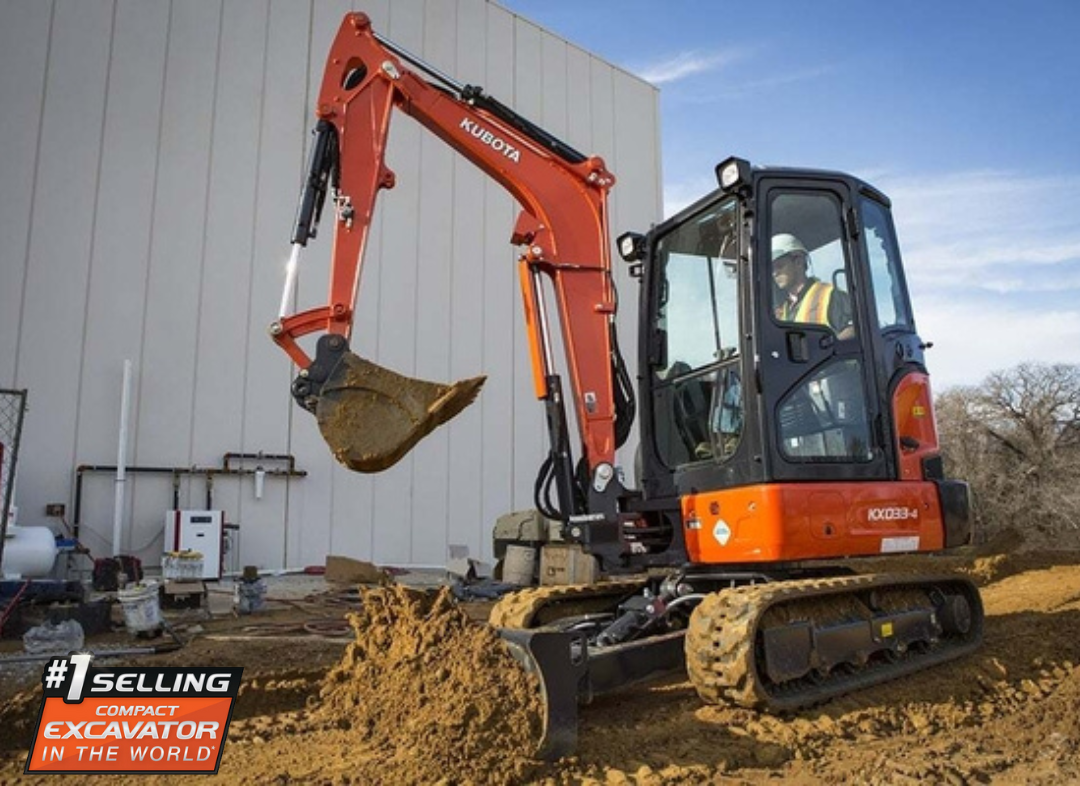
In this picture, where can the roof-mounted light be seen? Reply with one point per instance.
(733, 173)
(631, 246)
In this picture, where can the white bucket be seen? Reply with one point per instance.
(142, 614)
(519, 565)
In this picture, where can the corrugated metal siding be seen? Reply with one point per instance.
(152, 153)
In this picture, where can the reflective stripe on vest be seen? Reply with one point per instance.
(812, 308)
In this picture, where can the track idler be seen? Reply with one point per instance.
(371, 416)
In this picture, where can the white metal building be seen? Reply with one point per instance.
(150, 159)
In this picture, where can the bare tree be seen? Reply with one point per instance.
(1016, 439)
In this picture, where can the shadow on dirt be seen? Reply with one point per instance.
(665, 726)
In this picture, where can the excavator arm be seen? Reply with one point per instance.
(371, 416)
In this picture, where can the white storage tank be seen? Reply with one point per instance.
(29, 553)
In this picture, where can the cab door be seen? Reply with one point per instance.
(816, 363)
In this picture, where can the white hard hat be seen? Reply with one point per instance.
(785, 244)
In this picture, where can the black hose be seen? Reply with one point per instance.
(625, 401)
(545, 478)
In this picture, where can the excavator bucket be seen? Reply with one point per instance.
(371, 416)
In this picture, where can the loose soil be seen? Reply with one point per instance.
(424, 694)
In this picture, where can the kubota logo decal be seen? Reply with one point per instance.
(495, 143)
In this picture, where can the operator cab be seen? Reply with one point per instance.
(775, 328)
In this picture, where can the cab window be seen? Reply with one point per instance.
(884, 257)
(824, 417)
(698, 312)
(810, 282)
(698, 393)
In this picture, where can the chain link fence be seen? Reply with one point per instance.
(12, 410)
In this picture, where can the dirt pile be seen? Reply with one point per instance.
(431, 694)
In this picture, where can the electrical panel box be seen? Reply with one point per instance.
(198, 530)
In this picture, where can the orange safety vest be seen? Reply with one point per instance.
(812, 308)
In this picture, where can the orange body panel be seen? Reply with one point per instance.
(913, 414)
(802, 521)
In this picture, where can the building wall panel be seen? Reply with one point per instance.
(268, 408)
(63, 208)
(116, 305)
(23, 29)
(228, 264)
(175, 136)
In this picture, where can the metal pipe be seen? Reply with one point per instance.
(291, 274)
(121, 461)
(260, 456)
(542, 321)
(684, 599)
(84, 468)
(78, 504)
(176, 472)
(431, 70)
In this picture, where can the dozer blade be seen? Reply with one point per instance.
(371, 416)
(572, 673)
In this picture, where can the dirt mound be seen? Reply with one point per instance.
(432, 694)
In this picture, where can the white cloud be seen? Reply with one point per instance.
(680, 194)
(992, 259)
(759, 86)
(686, 64)
(971, 341)
(986, 229)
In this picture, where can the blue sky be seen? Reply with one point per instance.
(967, 114)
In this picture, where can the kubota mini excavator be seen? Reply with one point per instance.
(786, 419)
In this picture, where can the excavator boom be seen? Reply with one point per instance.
(371, 416)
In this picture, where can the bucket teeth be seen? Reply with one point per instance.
(371, 416)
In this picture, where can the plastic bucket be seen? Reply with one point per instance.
(250, 596)
(142, 614)
(182, 565)
(519, 565)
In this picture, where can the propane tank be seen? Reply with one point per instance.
(29, 552)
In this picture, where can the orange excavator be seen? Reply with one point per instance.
(786, 422)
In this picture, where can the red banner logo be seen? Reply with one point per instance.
(132, 720)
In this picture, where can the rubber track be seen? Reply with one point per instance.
(519, 609)
(720, 642)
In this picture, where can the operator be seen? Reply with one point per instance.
(804, 298)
